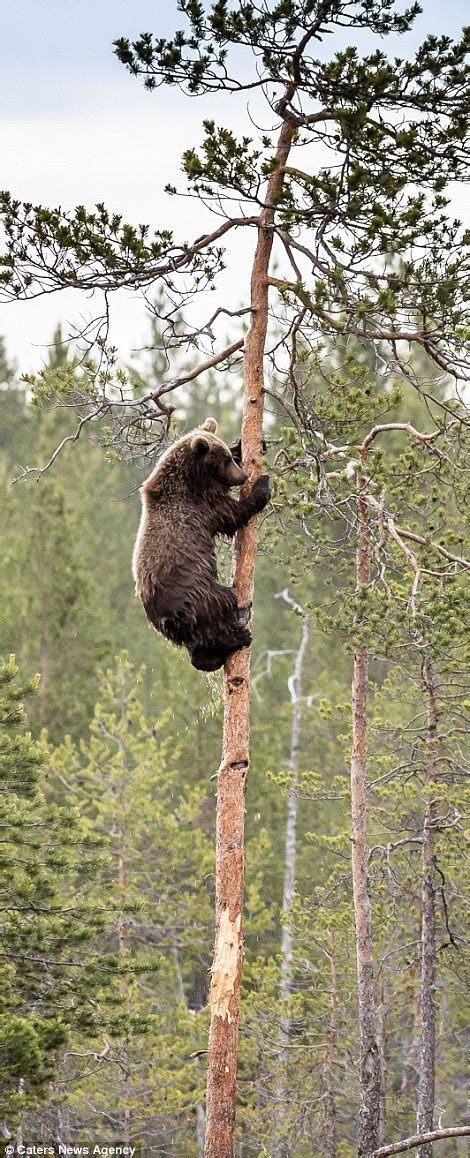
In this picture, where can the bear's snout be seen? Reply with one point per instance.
(235, 475)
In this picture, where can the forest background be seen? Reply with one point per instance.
(107, 869)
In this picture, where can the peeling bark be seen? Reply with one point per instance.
(369, 1114)
(223, 1034)
(427, 1065)
(224, 968)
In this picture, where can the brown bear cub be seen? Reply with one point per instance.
(185, 504)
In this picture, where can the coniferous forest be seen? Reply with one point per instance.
(338, 1005)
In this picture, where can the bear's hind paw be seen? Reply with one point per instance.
(205, 660)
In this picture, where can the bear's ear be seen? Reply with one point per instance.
(200, 445)
(210, 424)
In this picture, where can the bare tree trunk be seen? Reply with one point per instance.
(19, 1131)
(124, 949)
(44, 668)
(200, 1112)
(369, 1114)
(177, 964)
(383, 1053)
(331, 1131)
(61, 1128)
(228, 950)
(295, 688)
(200, 1124)
(410, 1065)
(428, 924)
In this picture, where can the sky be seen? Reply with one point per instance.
(76, 128)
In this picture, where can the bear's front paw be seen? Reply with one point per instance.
(261, 492)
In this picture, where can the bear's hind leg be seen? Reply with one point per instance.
(232, 620)
(219, 631)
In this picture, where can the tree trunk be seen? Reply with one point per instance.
(428, 924)
(369, 1114)
(295, 687)
(411, 1062)
(228, 951)
(44, 668)
(124, 951)
(331, 1131)
(200, 1112)
(19, 1131)
(383, 1054)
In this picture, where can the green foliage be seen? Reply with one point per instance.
(158, 892)
(375, 261)
(53, 617)
(45, 857)
(140, 782)
(384, 252)
(140, 779)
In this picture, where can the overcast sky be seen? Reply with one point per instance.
(76, 128)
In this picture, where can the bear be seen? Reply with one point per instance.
(185, 504)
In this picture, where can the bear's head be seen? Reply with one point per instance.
(213, 457)
(196, 462)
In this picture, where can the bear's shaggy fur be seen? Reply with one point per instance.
(185, 504)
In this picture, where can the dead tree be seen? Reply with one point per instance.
(290, 853)
(369, 1114)
(427, 1021)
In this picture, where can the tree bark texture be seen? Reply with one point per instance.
(369, 1114)
(427, 1064)
(228, 951)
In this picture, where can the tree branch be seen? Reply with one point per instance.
(413, 538)
(213, 361)
(420, 1140)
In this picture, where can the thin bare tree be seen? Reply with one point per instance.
(427, 1067)
(369, 1114)
(290, 852)
(290, 855)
